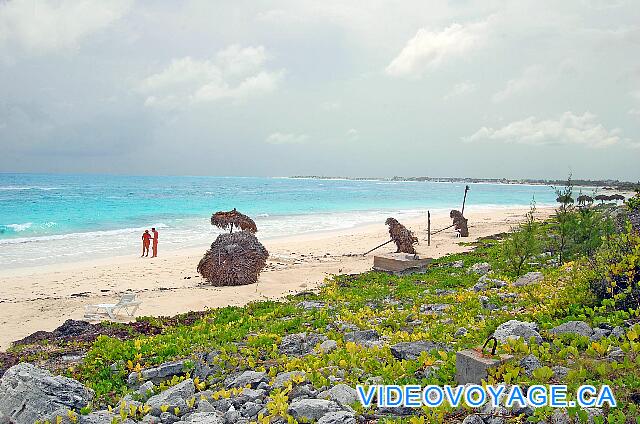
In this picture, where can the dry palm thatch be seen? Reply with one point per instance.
(401, 236)
(603, 198)
(233, 218)
(234, 259)
(617, 197)
(584, 199)
(565, 199)
(460, 223)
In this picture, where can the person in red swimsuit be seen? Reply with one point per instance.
(146, 241)
(155, 243)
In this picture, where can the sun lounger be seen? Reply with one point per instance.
(127, 302)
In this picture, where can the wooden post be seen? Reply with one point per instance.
(464, 199)
(428, 228)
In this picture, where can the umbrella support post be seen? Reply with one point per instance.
(428, 228)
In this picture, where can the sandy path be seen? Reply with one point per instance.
(42, 298)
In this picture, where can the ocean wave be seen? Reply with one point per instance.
(10, 188)
(20, 227)
(80, 235)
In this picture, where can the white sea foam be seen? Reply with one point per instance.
(20, 227)
(76, 236)
(10, 188)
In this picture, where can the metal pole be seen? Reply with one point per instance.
(428, 228)
(465, 199)
(377, 247)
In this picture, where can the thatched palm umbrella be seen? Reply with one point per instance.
(617, 197)
(460, 223)
(602, 198)
(234, 259)
(565, 199)
(583, 199)
(401, 236)
(233, 218)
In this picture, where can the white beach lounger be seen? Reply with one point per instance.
(127, 302)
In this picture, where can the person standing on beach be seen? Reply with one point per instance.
(146, 241)
(155, 243)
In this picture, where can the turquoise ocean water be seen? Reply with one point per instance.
(65, 218)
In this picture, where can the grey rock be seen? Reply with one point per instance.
(311, 304)
(251, 395)
(480, 268)
(168, 418)
(560, 417)
(251, 378)
(580, 328)
(341, 394)
(530, 363)
(250, 409)
(205, 406)
(413, 350)
(311, 409)
(300, 344)
(460, 332)
(495, 414)
(618, 332)
(398, 411)
(28, 394)
(283, 377)
(174, 397)
(473, 419)
(340, 417)
(492, 282)
(303, 392)
(328, 346)
(205, 418)
(221, 405)
(232, 416)
(146, 388)
(478, 287)
(615, 354)
(363, 337)
(434, 308)
(98, 417)
(457, 264)
(560, 372)
(529, 278)
(515, 329)
(147, 419)
(599, 333)
(159, 373)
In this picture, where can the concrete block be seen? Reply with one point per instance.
(472, 365)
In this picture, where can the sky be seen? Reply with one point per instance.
(515, 89)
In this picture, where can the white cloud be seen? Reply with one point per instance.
(634, 112)
(44, 26)
(331, 105)
(428, 49)
(353, 134)
(460, 89)
(286, 138)
(568, 129)
(236, 60)
(236, 73)
(532, 78)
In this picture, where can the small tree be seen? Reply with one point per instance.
(563, 220)
(523, 243)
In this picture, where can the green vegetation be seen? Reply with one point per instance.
(599, 286)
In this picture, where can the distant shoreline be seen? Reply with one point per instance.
(603, 184)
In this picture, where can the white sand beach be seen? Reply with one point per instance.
(42, 298)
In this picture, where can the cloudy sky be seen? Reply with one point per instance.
(332, 87)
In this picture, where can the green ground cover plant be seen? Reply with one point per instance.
(598, 285)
